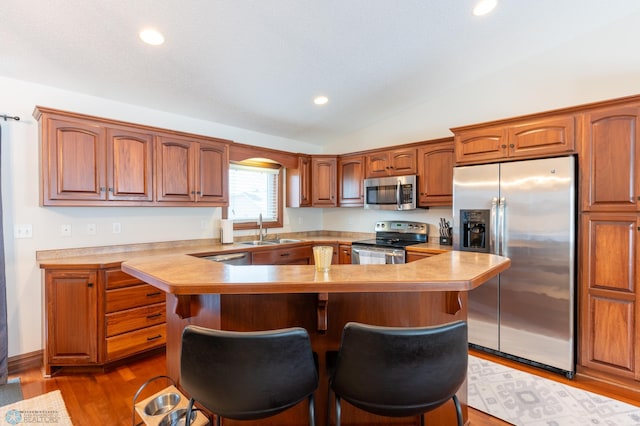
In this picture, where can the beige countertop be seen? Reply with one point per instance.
(187, 275)
(112, 256)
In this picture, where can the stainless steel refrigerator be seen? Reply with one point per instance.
(524, 210)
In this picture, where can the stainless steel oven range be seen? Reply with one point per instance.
(389, 245)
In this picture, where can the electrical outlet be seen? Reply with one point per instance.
(115, 228)
(23, 231)
(65, 230)
(91, 229)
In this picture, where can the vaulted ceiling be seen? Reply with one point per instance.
(258, 64)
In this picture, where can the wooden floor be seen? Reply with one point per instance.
(106, 398)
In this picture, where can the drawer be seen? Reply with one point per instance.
(134, 319)
(133, 342)
(131, 297)
(283, 256)
(115, 278)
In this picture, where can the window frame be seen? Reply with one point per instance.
(278, 223)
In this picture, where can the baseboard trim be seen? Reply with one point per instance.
(19, 363)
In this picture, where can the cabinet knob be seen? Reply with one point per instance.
(511, 145)
(503, 146)
(102, 189)
(89, 284)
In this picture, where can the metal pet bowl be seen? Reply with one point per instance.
(177, 418)
(162, 404)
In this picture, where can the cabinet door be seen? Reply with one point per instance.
(435, 175)
(175, 169)
(480, 145)
(324, 181)
(129, 165)
(71, 300)
(609, 335)
(73, 161)
(298, 255)
(299, 183)
(213, 172)
(377, 164)
(610, 151)
(402, 162)
(543, 137)
(351, 181)
(345, 254)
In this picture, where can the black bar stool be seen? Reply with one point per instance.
(248, 375)
(400, 371)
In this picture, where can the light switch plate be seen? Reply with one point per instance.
(23, 231)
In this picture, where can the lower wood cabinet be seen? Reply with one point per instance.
(292, 255)
(344, 253)
(609, 319)
(72, 318)
(96, 316)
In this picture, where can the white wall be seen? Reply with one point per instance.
(20, 194)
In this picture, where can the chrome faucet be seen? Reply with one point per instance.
(260, 234)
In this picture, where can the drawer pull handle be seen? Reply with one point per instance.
(285, 254)
(154, 337)
(89, 284)
(153, 316)
(157, 293)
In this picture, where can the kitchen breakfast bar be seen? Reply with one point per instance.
(430, 291)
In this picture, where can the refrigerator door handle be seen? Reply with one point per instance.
(493, 234)
(502, 246)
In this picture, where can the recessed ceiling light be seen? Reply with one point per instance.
(320, 100)
(484, 6)
(151, 36)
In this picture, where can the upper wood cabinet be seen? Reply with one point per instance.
(129, 165)
(435, 174)
(351, 180)
(191, 170)
(90, 161)
(518, 139)
(299, 183)
(395, 162)
(610, 153)
(324, 175)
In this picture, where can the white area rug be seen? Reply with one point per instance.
(528, 400)
(47, 409)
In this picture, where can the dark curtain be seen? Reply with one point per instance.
(4, 341)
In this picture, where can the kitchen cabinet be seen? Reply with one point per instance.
(610, 178)
(192, 171)
(351, 180)
(394, 162)
(533, 137)
(87, 163)
(412, 256)
(135, 316)
(324, 175)
(344, 256)
(609, 249)
(96, 316)
(435, 174)
(299, 183)
(609, 330)
(290, 255)
(72, 318)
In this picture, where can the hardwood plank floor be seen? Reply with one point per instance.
(106, 398)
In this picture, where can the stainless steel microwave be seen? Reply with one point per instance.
(391, 193)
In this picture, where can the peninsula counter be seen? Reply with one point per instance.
(426, 292)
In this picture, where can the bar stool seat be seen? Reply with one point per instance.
(248, 375)
(400, 371)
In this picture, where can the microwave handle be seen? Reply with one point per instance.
(398, 200)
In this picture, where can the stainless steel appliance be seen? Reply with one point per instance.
(391, 193)
(389, 245)
(524, 210)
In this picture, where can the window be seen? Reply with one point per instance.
(255, 188)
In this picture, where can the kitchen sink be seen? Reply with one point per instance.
(260, 243)
(270, 242)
